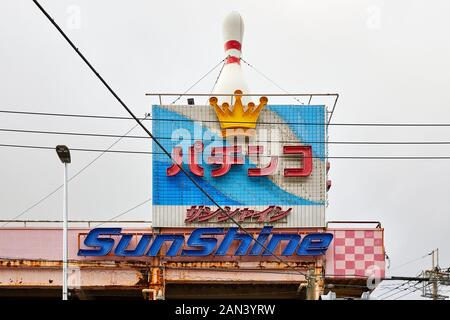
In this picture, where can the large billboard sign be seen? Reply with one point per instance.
(264, 164)
(203, 242)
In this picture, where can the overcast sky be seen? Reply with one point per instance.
(388, 60)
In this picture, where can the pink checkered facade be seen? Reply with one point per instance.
(356, 253)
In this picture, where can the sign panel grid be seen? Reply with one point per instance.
(274, 174)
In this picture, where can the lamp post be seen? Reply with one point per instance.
(64, 155)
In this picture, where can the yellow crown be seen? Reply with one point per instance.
(237, 121)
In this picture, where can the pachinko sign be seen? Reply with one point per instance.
(248, 157)
(202, 242)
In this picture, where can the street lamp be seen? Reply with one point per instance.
(64, 155)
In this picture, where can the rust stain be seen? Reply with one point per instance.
(144, 268)
(236, 265)
(143, 278)
(21, 263)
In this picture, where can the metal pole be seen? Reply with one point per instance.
(65, 216)
(311, 286)
(433, 272)
(432, 260)
(437, 257)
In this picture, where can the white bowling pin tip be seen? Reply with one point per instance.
(232, 78)
(233, 32)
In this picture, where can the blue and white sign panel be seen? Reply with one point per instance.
(276, 176)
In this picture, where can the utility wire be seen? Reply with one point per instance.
(397, 287)
(121, 137)
(125, 212)
(198, 186)
(352, 124)
(102, 152)
(391, 290)
(179, 97)
(69, 115)
(266, 156)
(269, 79)
(411, 261)
(408, 293)
(217, 80)
(407, 289)
(103, 135)
(395, 293)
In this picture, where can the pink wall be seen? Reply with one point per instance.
(353, 252)
(356, 253)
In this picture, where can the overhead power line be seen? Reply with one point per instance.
(197, 185)
(411, 261)
(407, 281)
(102, 153)
(189, 89)
(69, 115)
(125, 212)
(267, 156)
(393, 289)
(401, 290)
(105, 135)
(79, 172)
(270, 80)
(414, 289)
(105, 117)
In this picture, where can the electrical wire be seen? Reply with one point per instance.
(197, 185)
(407, 289)
(269, 79)
(411, 261)
(125, 212)
(408, 293)
(215, 82)
(266, 156)
(102, 152)
(189, 89)
(107, 135)
(396, 288)
(149, 199)
(398, 267)
(137, 120)
(68, 115)
(352, 124)
(395, 293)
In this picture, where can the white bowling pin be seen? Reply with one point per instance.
(231, 78)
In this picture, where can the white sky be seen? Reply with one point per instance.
(389, 61)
